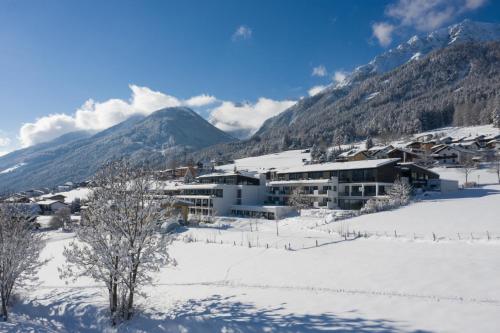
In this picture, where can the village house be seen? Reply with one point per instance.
(50, 207)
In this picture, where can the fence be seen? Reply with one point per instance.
(339, 237)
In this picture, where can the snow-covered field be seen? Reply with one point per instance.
(381, 283)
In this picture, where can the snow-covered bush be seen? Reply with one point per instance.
(20, 247)
(399, 195)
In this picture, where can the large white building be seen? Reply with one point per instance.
(344, 185)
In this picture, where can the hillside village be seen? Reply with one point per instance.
(337, 178)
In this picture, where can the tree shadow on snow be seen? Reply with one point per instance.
(475, 192)
(225, 314)
(59, 311)
(79, 311)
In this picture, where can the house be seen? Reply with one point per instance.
(353, 155)
(403, 154)
(452, 154)
(380, 151)
(64, 188)
(472, 145)
(418, 146)
(188, 172)
(49, 207)
(493, 144)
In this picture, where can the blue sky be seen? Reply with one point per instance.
(242, 61)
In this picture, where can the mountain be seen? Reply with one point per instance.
(418, 46)
(455, 80)
(76, 156)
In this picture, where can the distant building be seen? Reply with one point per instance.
(49, 207)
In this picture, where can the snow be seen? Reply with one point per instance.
(375, 163)
(480, 176)
(381, 283)
(289, 158)
(372, 95)
(81, 193)
(12, 169)
(466, 131)
(416, 56)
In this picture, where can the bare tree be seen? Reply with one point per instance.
(20, 247)
(298, 199)
(119, 244)
(495, 165)
(63, 216)
(468, 166)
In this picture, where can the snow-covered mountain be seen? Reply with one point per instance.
(76, 156)
(418, 46)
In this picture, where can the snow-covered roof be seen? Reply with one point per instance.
(365, 164)
(226, 174)
(48, 202)
(379, 148)
(352, 152)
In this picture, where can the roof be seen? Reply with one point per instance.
(404, 150)
(352, 152)
(304, 181)
(417, 166)
(365, 164)
(228, 174)
(49, 202)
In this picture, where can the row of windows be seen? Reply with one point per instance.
(247, 213)
(212, 192)
(357, 175)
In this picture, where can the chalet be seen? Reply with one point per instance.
(49, 207)
(380, 151)
(418, 146)
(493, 144)
(354, 155)
(452, 154)
(472, 145)
(403, 154)
(189, 172)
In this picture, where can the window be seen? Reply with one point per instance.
(356, 190)
(370, 190)
(381, 190)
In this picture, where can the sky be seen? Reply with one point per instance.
(87, 65)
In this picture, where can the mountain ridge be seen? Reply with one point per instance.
(141, 139)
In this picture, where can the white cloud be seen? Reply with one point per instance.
(96, 116)
(316, 90)
(319, 71)
(383, 32)
(201, 100)
(474, 4)
(242, 32)
(339, 76)
(246, 116)
(427, 15)
(4, 141)
(46, 128)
